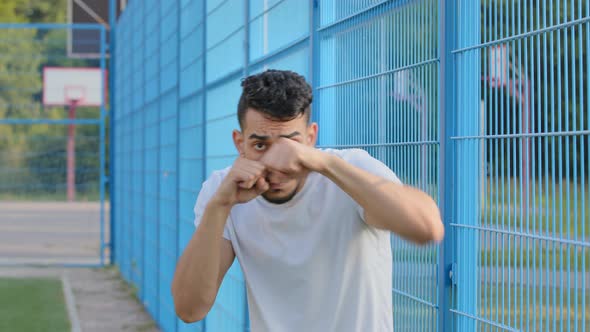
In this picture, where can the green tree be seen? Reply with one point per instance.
(32, 157)
(18, 84)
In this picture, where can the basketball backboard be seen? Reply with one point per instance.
(86, 43)
(64, 86)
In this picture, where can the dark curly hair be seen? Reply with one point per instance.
(278, 94)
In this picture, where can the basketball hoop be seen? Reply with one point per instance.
(74, 94)
(63, 85)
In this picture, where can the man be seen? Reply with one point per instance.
(310, 227)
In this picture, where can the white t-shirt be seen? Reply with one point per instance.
(312, 264)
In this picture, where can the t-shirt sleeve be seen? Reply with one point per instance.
(207, 191)
(363, 160)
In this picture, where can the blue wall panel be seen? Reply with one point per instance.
(189, 84)
(168, 234)
(137, 190)
(296, 60)
(268, 31)
(151, 209)
(168, 167)
(191, 125)
(229, 312)
(224, 39)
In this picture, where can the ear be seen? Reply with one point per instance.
(312, 134)
(238, 141)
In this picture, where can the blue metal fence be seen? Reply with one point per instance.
(521, 151)
(482, 104)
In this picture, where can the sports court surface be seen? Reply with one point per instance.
(50, 233)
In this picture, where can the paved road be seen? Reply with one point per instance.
(50, 232)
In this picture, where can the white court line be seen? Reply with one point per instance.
(71, 304)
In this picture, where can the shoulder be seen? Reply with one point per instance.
(363, 160)
(353, 156)
(209, 187)
(215, 179)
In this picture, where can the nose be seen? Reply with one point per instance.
(276, 177)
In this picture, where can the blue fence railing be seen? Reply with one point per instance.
(483, 104)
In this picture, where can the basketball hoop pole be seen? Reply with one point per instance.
(72, 153)
(70, 87)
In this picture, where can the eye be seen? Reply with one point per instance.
(259, 146)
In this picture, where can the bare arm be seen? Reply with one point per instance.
(208, 256)
(200, 270)
(401, 209)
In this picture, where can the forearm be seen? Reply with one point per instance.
(401, 209)
(197, 274)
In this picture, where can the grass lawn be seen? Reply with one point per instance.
(31, 305)
(555, 208)
(574, 259)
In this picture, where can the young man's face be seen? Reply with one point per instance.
(257, 136)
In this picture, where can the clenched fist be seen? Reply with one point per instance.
(290, 157)
(244, 182)
(285, 159)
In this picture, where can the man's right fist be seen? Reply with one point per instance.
(244, 182)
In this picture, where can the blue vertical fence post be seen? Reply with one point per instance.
(447, 123)
(468, 158)
(314, 52)
(246, 36)
(102, 177)
(112, 123)
(158, 144)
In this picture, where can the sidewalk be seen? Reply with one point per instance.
(99, 300)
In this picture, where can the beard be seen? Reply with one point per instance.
(280, 200)
(286, 198)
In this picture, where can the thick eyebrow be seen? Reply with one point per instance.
(291, 135)
(258, 137)
(264, 138)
